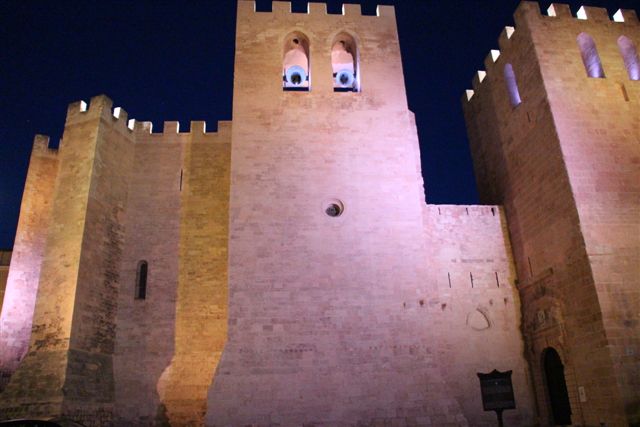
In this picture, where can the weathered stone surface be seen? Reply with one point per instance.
(565, 164)
(19, 297)
(263, 309)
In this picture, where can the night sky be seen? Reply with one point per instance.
(173, 60)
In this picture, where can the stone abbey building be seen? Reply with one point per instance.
(286, 270)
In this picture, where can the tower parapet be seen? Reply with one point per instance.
(316, 8)
(558, 14)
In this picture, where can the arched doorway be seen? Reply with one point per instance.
(556, 388)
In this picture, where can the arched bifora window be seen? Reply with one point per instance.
(344, 61)
(630, 56)
(295, 62)
(590, 56)
(141, 280)
(512, 85)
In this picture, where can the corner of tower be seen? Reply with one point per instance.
(98, 106)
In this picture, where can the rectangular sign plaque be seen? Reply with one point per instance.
(497, 392)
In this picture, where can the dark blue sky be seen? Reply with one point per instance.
(173, 60)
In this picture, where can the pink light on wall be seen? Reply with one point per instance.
(17, 310)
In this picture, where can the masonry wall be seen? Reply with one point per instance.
(168, 344)
(598, 126)
(22, 281)
(73, 326)
(317, 310)
(479, 323)
(201, 311)
(146, 327)
(526, 157)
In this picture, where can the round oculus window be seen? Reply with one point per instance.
(333, 208)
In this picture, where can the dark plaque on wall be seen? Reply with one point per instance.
(497, 392)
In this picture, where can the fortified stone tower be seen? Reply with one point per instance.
(80, 338)
(316, 284)
(554, 124)
(286, 269)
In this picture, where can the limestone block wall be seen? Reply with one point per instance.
(598, 125)
(22, 280)
(549, 160)
(316, 312)
(145, 328)
(476, 312)
(68, 369)
(168, 344)
(201, 310)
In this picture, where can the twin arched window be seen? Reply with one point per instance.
(591, 59)
(296, 63)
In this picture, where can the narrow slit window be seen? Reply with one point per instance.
(630, 57)
(141, 280)
(512, 85)
(590, 57)
(344, 63)
(295, 63)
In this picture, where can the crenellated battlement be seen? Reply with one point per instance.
(171, 130)
(102, 106)
(530, 9)
(41, 146)
(280, 8)
(558, 12)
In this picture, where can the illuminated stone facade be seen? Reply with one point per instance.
(295, 274)
(565, 163)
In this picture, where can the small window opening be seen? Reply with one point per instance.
(344, 62)
(333, 210)
(630, 57)
(512, 85)
(590, 57)
(625, 94)
(295, 63)
(141, 280)
(333, 207)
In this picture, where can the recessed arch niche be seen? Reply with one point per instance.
(345, 63)
(296, 62)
